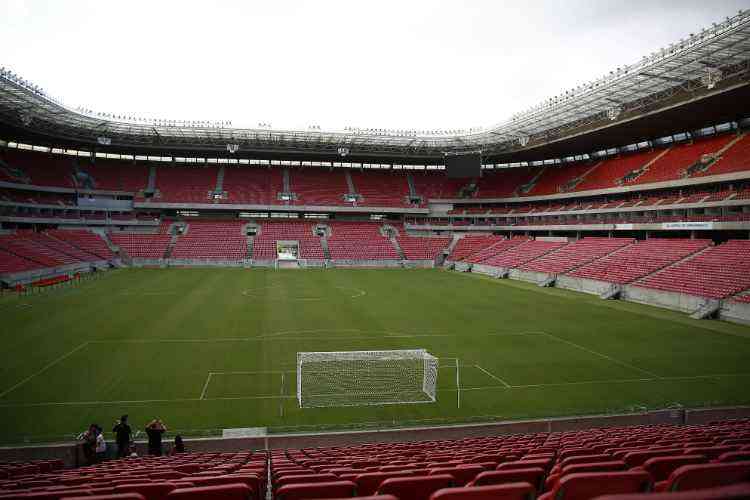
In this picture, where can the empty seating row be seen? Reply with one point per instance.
(212, 240)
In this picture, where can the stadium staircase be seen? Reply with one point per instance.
(612, 293)
(708, 310)
(286, 184)
(170, 246)
(250, 244)
(151, 186)
(324, 246)
(412, 188)
(527, 187)
(115, 249)
(350, 185)
(643, 169)
(397, 246)
(219, 189)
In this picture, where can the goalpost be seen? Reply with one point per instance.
(356, 378)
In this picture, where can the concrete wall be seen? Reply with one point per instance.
(530, 276)
(69, 452)
(594, 287)
(670, 300)
(736, 312)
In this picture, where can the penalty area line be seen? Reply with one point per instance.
(492, 375)
(43, 369)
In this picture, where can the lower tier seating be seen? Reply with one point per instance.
(421, 248)
(719, 272)
(639, 259)
(576, 254)
(525, 252)
(580, 464)
(212, 240)
(359, 241)
(471, 244)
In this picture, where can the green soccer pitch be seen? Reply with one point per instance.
(208, 349)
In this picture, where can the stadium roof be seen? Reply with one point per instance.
(698, 81)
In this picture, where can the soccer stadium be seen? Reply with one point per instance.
(553, 306)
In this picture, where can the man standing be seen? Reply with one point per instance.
(155, 430)
(122, 436)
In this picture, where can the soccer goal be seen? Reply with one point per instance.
(356, 378)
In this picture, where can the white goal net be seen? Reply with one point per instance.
(354, 378)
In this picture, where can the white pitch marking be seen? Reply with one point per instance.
(609, 358)
(506, 384)
(44, 368)
(205, 386)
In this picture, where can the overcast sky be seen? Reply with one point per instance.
(293, 63)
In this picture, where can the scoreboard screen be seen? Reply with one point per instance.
(463, 166)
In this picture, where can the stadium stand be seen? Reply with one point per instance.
(575, 255)
(490, 251)
(359, 241)
(251, 185)
(85, 240)
(185, 184)
(316, 186)
(717, 273)
(381, 189)
(520, 254)
(610, 173)
(421, 248)
(143, 245)
(639, 259)
(212, 240)
(471, 244)
(735, 159)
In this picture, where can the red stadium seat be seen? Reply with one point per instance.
(532, 475)
(236, 491)
(592, 484)
(509, 491)
(333, 489)
(740, 491)
(693, 477)
(415, 488)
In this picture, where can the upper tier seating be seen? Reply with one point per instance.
(215, 240)
(505, 183)
(117, 175)
(717, 273)
(252, 185)
(639, 259)
(526, 251)
(264, 245)
(381, 189)
(471, 244)
(610, 171)
(359, 241)
(673, 164)
(185, 184)
(735, 159)
(560, 179)
(575, 255)
(40, 169)
(437, 185)
(317, 186)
